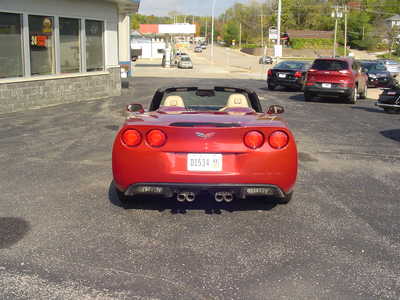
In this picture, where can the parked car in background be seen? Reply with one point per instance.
(266, 60)
(198, 49)
(203, 46)
(185, 62)
(378, 75)
(289, 74)
(389, 100)
(392, 66)
(336, 77)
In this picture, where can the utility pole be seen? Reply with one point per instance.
(278, 41)
(212, 31)
(262, 30)
(345, 30)
(240, 36)
(336, 13)
(206, 29)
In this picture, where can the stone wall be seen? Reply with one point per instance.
(22, 95)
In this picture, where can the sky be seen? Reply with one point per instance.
(190, 7)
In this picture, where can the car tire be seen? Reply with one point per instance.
(123, 199)
(308, 97)
(352, 98)
(286, 199)
(271, 87)
(363, 94)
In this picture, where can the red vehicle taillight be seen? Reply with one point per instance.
(156, 138)
(269, 72)
(254, 139)
(131, 137)
(278, 139)
(297, 75)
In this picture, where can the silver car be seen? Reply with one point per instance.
(185, 63)
(392, 66)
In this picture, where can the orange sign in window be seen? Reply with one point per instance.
(39, 40)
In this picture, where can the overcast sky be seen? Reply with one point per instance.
(192, 7)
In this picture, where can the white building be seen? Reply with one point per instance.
(55, 51)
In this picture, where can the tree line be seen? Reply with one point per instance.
(366, 28)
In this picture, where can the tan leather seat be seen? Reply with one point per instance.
(174, 100)
(236, 100)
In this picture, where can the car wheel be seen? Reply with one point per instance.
(270, 86)
(308, 97)
(286, 199)
(352, 98)
(363, 94)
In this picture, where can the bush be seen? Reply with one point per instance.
(301, 43)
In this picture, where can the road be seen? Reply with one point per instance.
(64, 235)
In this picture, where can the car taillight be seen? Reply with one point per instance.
(312, 70)
(344, 71)
(156, 138)
(297, 75)
(131, 137)
(269, 72)
(254, 139)
(278, 139)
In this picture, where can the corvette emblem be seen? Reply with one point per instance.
(205, 135)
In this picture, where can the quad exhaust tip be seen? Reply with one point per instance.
(223, 196)
(186, 196)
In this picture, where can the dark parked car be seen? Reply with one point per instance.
(290, 74)
(392, 66)
(337, 77)
(389, 100)
(378, 75)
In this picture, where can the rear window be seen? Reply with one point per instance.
(330, 65)
(290, 65)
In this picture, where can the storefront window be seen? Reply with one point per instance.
(10, 45)
(70, 45)
(94, 45)
(41, 45)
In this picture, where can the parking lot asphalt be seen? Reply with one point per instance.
(64, 235)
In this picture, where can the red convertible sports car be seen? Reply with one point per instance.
(194, 140)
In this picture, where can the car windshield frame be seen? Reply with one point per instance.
(291, 65)
(251, 96)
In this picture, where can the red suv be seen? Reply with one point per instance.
(340, 77)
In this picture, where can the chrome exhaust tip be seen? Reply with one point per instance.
(190, 197)
(181, 197)
(228, 197)
(219, 197)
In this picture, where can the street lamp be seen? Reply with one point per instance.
(212, 30)
(337, 13)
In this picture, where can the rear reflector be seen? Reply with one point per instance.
(310, 83)
(131, 137)
(269, 72)
(254, 139)
(278, 139)
(156, 138)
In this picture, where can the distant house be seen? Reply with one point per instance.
(393, 21)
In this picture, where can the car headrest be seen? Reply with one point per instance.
(237, 100)
(174, 100)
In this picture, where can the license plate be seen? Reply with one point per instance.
(282, 75)
(327, 85)
(204, 162)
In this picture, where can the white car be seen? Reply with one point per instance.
(185, 63)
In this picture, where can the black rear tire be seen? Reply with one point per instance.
(352, 98)
(286, 199)
(363, 94)
(270, 86)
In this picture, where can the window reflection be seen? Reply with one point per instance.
(94, 45)
(41, 45)
(10, 45)
(70, 45)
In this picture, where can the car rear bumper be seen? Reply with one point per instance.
(297, 83)
(334, 91)
(241, 191)
(387, 105)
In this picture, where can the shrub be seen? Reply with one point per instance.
(301, 43)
